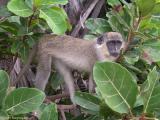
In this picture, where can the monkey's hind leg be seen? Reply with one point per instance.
(67, 74)
(91, 83)
(43, 71)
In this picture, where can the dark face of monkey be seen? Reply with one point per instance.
(114, 47)
(113, 42)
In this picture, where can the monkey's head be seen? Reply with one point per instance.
(110, 44)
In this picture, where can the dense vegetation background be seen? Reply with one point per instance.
(131, 88)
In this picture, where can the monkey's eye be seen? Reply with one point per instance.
(100, 40)
(114, 44)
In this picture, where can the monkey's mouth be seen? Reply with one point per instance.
(114, 54)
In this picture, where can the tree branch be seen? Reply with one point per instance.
(83, 18)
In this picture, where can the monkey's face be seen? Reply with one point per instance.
(111, 43)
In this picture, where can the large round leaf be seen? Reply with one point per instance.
(87, 101)
(150, 91)
(49, 113)
(55, 18)
(116, 85)
(97, 25)
(145, 6)
(20, 8)
(4, 81)
(49, 2)
(156, 9)
(23, 100)
(3, 115)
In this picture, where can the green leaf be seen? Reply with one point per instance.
(145, 6)
(106, 111)
(156, 9)
(150, 91)
(62, 2)
(23, 100)
(40, 109)
(122, 19)
(139, 101)
(15, 46)
(49, 2)
(4, 11)
(20, 8)
(152, 43)
(9, 27)
(150, 27)
(55, 18)
(22, 48)
(15, 19)
(29, 3)
(116, 24)
(87, 101)
(113, 2)
(131, 57)
(126, 17)
(24, 52)
(4, 83)
(4, 115)
(49, 112)
(98, 25)
(31, 41)
(56, 80)
(117, 86)
(152, 49)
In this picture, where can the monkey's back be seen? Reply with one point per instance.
(76, 52)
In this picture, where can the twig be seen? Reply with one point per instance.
(31, 17)
(26, 66)
(83, 18)
(97, 9)
(2, 18)
(129, 39)
(14, 61)
(66, 107)
(54, 97)
(75, 5)
(63, 115)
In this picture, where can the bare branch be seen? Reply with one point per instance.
(83, 18)
(54, 97)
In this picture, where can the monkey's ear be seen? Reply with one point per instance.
(100, 40)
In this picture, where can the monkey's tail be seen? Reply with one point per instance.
(26, 66)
